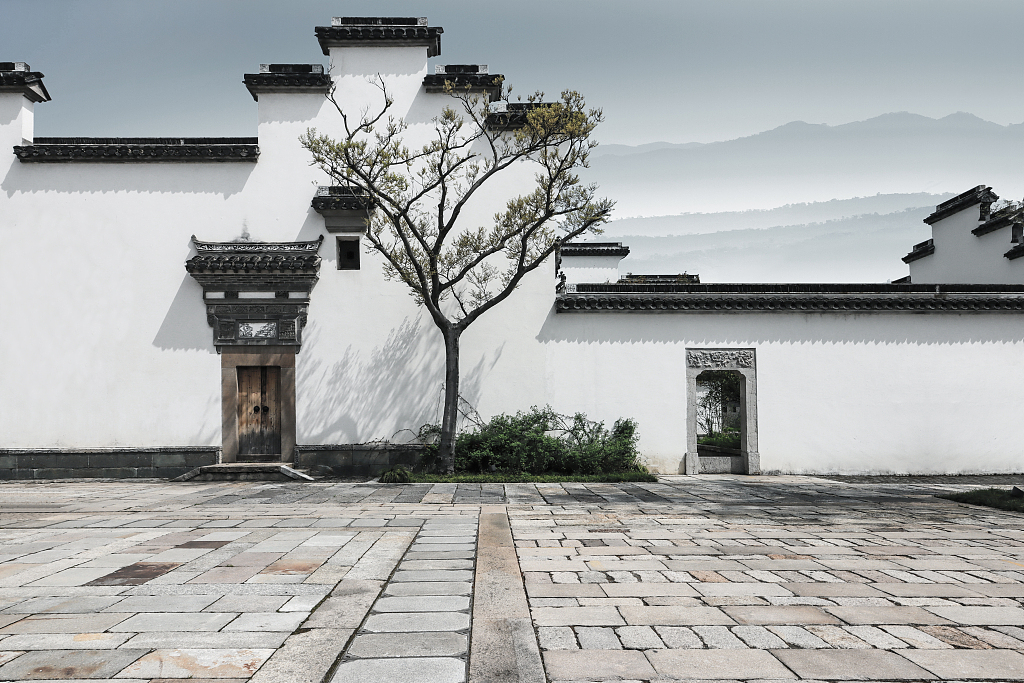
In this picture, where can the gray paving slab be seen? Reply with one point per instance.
(852, 665)
(718, 664)
(408, 622)
(885, 615)
(673, 616)
(423, 603)
(305, 657)
(590, 665)
(433, 575)
(411, 670)
(386, 645)
(969, 664)
(174, 621)
(170, 640)
(69, 664)
(197, 663)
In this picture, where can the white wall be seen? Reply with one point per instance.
(836, 393)
(962, 257)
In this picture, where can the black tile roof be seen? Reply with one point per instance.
(292, 78)
(372, 31)
(118, 150)
(977, 195)
(18, 77)
(1000, 219)
(489, 83)
(593, 249)
(926, 248)
(514, 116)
(792, 298)
(255, 257)
(681, 278)
(339, 198)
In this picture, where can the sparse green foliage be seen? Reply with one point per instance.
(1001, 499)
(541, 441)
(458, 270)
(396, 475)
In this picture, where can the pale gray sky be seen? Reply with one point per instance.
(674, 70)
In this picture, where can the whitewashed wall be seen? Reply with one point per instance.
(105, 340)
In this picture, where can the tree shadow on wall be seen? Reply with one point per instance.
(184, 325)
(364, 396)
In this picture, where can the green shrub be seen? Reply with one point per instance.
(396, 475)
(730, 438)
(541, 441)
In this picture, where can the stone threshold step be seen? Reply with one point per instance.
(246, 471)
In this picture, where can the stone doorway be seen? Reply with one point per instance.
(738, 412)
(258, 403)
(259, 413)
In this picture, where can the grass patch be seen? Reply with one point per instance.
(498, 478)
(1000, 499)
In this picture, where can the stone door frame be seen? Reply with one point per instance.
(233, 357)
(742, 361)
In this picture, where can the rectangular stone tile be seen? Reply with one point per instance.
(348, 605)
(730, 589)
(430, 588)
(252, 559)
(672, 616)
(779, 614)
(253, 603)
(63, 605)
(718, 664)
(588, 665)
(783, 565)
(163, 603)
(644, 589)
(999, 590)
(267, 621)
(402, 670)
(198, 663)
(577, 616)
(76, 576)
(135, 574)
(64, 664)
(399, 622)
(174, 621)
(828, 590)
(226, 575)
(64, 641)
(706, 564)
(420, 565)
(928, 590)
(305, 657)
(66, 623)
(1005, 665)
(980, 616)
(435, 575)
(567, 590)
(851, 665)
(885, 615)
(423, 603)
(384, 645)
(164, 640)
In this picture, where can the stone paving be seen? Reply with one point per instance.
(726, 578)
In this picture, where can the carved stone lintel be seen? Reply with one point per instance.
(720, 359)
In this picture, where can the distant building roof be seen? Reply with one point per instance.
(978, 195)
(374, 31)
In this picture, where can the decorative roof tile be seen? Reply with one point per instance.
(511, 115)
(978, 195)
(471, 77)
(793, 298)
(119, 150)
(255, 257)
(18, 77)
(373, 31)
(340, 198)
(593, 249)
(289, 78)
(926, 248)
(998, 220)
(681, 278)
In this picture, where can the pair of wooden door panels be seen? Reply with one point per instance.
(259, 413)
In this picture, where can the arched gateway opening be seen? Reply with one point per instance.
(721, 395)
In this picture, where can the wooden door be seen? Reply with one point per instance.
(259, 412)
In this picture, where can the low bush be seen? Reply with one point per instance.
(396, 475)
(541, 441)
(613, 477)
(730, 438)
(1002, 499)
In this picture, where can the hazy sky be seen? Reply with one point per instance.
(674, 70)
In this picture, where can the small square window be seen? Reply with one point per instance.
(348, 253)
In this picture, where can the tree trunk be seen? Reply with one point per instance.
(446, 450)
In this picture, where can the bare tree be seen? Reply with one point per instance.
(458, 270)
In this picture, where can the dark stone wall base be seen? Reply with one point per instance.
(109, 463)
(356, 460)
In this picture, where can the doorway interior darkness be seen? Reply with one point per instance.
(741, 361)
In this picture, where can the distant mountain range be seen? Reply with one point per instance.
(860, 248)
(803, 162)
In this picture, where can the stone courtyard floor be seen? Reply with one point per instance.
(692, 578)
